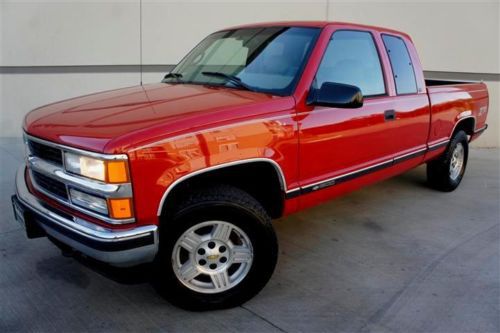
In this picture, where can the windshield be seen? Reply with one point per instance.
(266, 60)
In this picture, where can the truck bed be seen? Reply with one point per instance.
(451, 101)
(439, 82)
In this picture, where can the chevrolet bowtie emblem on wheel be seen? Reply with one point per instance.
(213, 257)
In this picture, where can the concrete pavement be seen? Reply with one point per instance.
(393, 257)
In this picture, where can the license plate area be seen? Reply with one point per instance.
(27, 220)
(19, 213)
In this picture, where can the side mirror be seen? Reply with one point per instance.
(337, 95)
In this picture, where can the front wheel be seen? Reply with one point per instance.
(446, 172)
(217, 251)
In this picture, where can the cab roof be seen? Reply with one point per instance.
(318, 24)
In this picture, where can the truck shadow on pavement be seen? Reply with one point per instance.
(62, 269)
(128, 276)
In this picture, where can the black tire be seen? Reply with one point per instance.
(217, 203)
(438, 171)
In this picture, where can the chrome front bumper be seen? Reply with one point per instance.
(124, 247)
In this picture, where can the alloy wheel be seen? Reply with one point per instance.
(212, 257)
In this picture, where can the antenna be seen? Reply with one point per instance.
(140, 40)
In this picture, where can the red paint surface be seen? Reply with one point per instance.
(169, 131)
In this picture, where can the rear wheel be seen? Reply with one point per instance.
(446, 172)
(217, 251)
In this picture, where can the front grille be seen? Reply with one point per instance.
(50, 185)
(45, 152)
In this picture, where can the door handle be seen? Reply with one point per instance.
(390, 115)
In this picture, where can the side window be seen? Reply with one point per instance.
(402, 68)
(352, 58)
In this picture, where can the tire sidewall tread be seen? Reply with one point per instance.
(225, 203)
(438, 170)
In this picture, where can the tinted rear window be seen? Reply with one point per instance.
(402, 67)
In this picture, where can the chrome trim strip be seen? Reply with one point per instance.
(438, 145)
(459, 120)
(353, 174)
(349, 173)
(293, 193)
(78, 151)
(344, 177)
(335, 180)
(281, 176)
(464, 114)
(437, 142)
(411, 155)
(482, 129)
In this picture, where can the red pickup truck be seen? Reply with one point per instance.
(255, 123)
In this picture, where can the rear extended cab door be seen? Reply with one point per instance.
(410, 101)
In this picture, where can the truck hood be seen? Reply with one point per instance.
(133, 115)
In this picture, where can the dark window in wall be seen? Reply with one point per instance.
(402, 67)
(352, 58)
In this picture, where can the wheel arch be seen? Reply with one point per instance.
(467, 124)
(271, 195)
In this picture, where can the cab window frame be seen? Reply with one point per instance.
(392, 67)
(379, 55)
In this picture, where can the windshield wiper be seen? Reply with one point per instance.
(176, 76)
(231, 78)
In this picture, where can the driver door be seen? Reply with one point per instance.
(337, 144)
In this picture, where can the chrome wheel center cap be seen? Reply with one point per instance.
(212, 255)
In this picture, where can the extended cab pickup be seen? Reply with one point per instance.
(255, 123)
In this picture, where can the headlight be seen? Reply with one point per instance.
(105, 171)
(85, 166)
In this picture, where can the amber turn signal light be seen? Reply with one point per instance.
(120, 208)
(117, 172)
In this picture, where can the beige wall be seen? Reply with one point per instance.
(457, 36)
(95, 36)
(491, 138)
